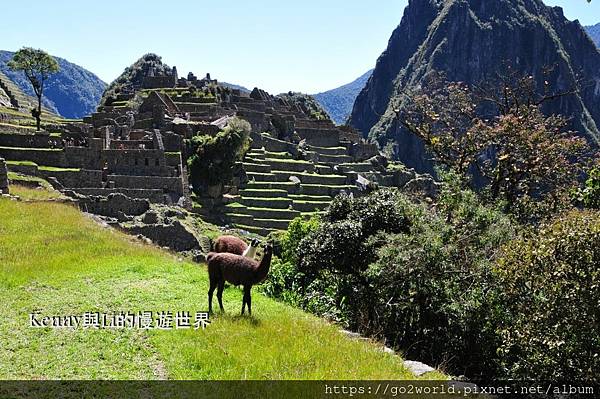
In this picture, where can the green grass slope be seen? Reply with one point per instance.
(56, 261)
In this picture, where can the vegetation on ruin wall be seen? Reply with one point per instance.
(134, 74)
(73, 266)
(212, 158)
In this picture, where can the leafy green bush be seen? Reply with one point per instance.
(551, 301)
(589, 196)
(213, 157)
(342, 244)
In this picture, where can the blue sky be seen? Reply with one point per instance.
(278, 45)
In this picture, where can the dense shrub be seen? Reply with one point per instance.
(589, 196)
(213, 158)
(551, 301)
(430, 291)
(342, 243)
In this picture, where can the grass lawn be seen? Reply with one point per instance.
(55, 261)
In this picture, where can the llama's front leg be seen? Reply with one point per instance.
(220, 294)
(246, 299)
(211, 290)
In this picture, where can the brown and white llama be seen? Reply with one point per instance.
(237, 270)
(235, 245)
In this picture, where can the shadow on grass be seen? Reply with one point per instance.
(237, 318)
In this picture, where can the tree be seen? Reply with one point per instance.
(521, 157)
(212, 158)
(37, 66)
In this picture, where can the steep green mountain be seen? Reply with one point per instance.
(471, 41)
(594, 32)
(73, 92)
(338, 102)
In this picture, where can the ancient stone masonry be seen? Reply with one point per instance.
(132, 152)
(3, 178)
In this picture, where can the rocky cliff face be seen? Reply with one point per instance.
(470, 41)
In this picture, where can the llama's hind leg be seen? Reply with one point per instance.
(220, 294)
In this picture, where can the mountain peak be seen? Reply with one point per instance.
(470, 41)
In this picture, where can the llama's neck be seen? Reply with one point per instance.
(263, 267)
(250, 252)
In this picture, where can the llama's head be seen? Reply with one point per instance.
(268, 248)
(255, 243)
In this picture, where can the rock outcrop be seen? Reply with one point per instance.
(470, 41)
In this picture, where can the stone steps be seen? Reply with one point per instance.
(289, 187)
(334, 159)
(328, 150)
(310, 178)
(263, 177)
(289, 165)
(319, 189)
(265, 213)
(259, 202)
(304, 197)
(261, 231)
(256, 167)
(310, 206)
(264, 193)
(357, 167)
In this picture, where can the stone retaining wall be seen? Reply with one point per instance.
(29, 140)
(54, 158)
(169, 184)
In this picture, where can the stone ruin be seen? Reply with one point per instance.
(133, 146)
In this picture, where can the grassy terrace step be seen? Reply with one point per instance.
(263, 213)
(334, 159)
(274, 224)
(256, 167)
(328, 150)
(324, 169)
(267, 185)
(289, 164)
(265, 193)
(310, 206)
(310, 178)
(304, 197)
(357, 167)
(262, 177)
(277, 155)
(254, 156)
(32, 149)
(320, 189)
(257, 202)
(239, 218)
(261, 231)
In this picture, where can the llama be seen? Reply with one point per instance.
(237, 270)
(235, 245)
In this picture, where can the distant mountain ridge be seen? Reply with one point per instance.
(594, 32)
(338, 102)
(73, 92)
(469, 41)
